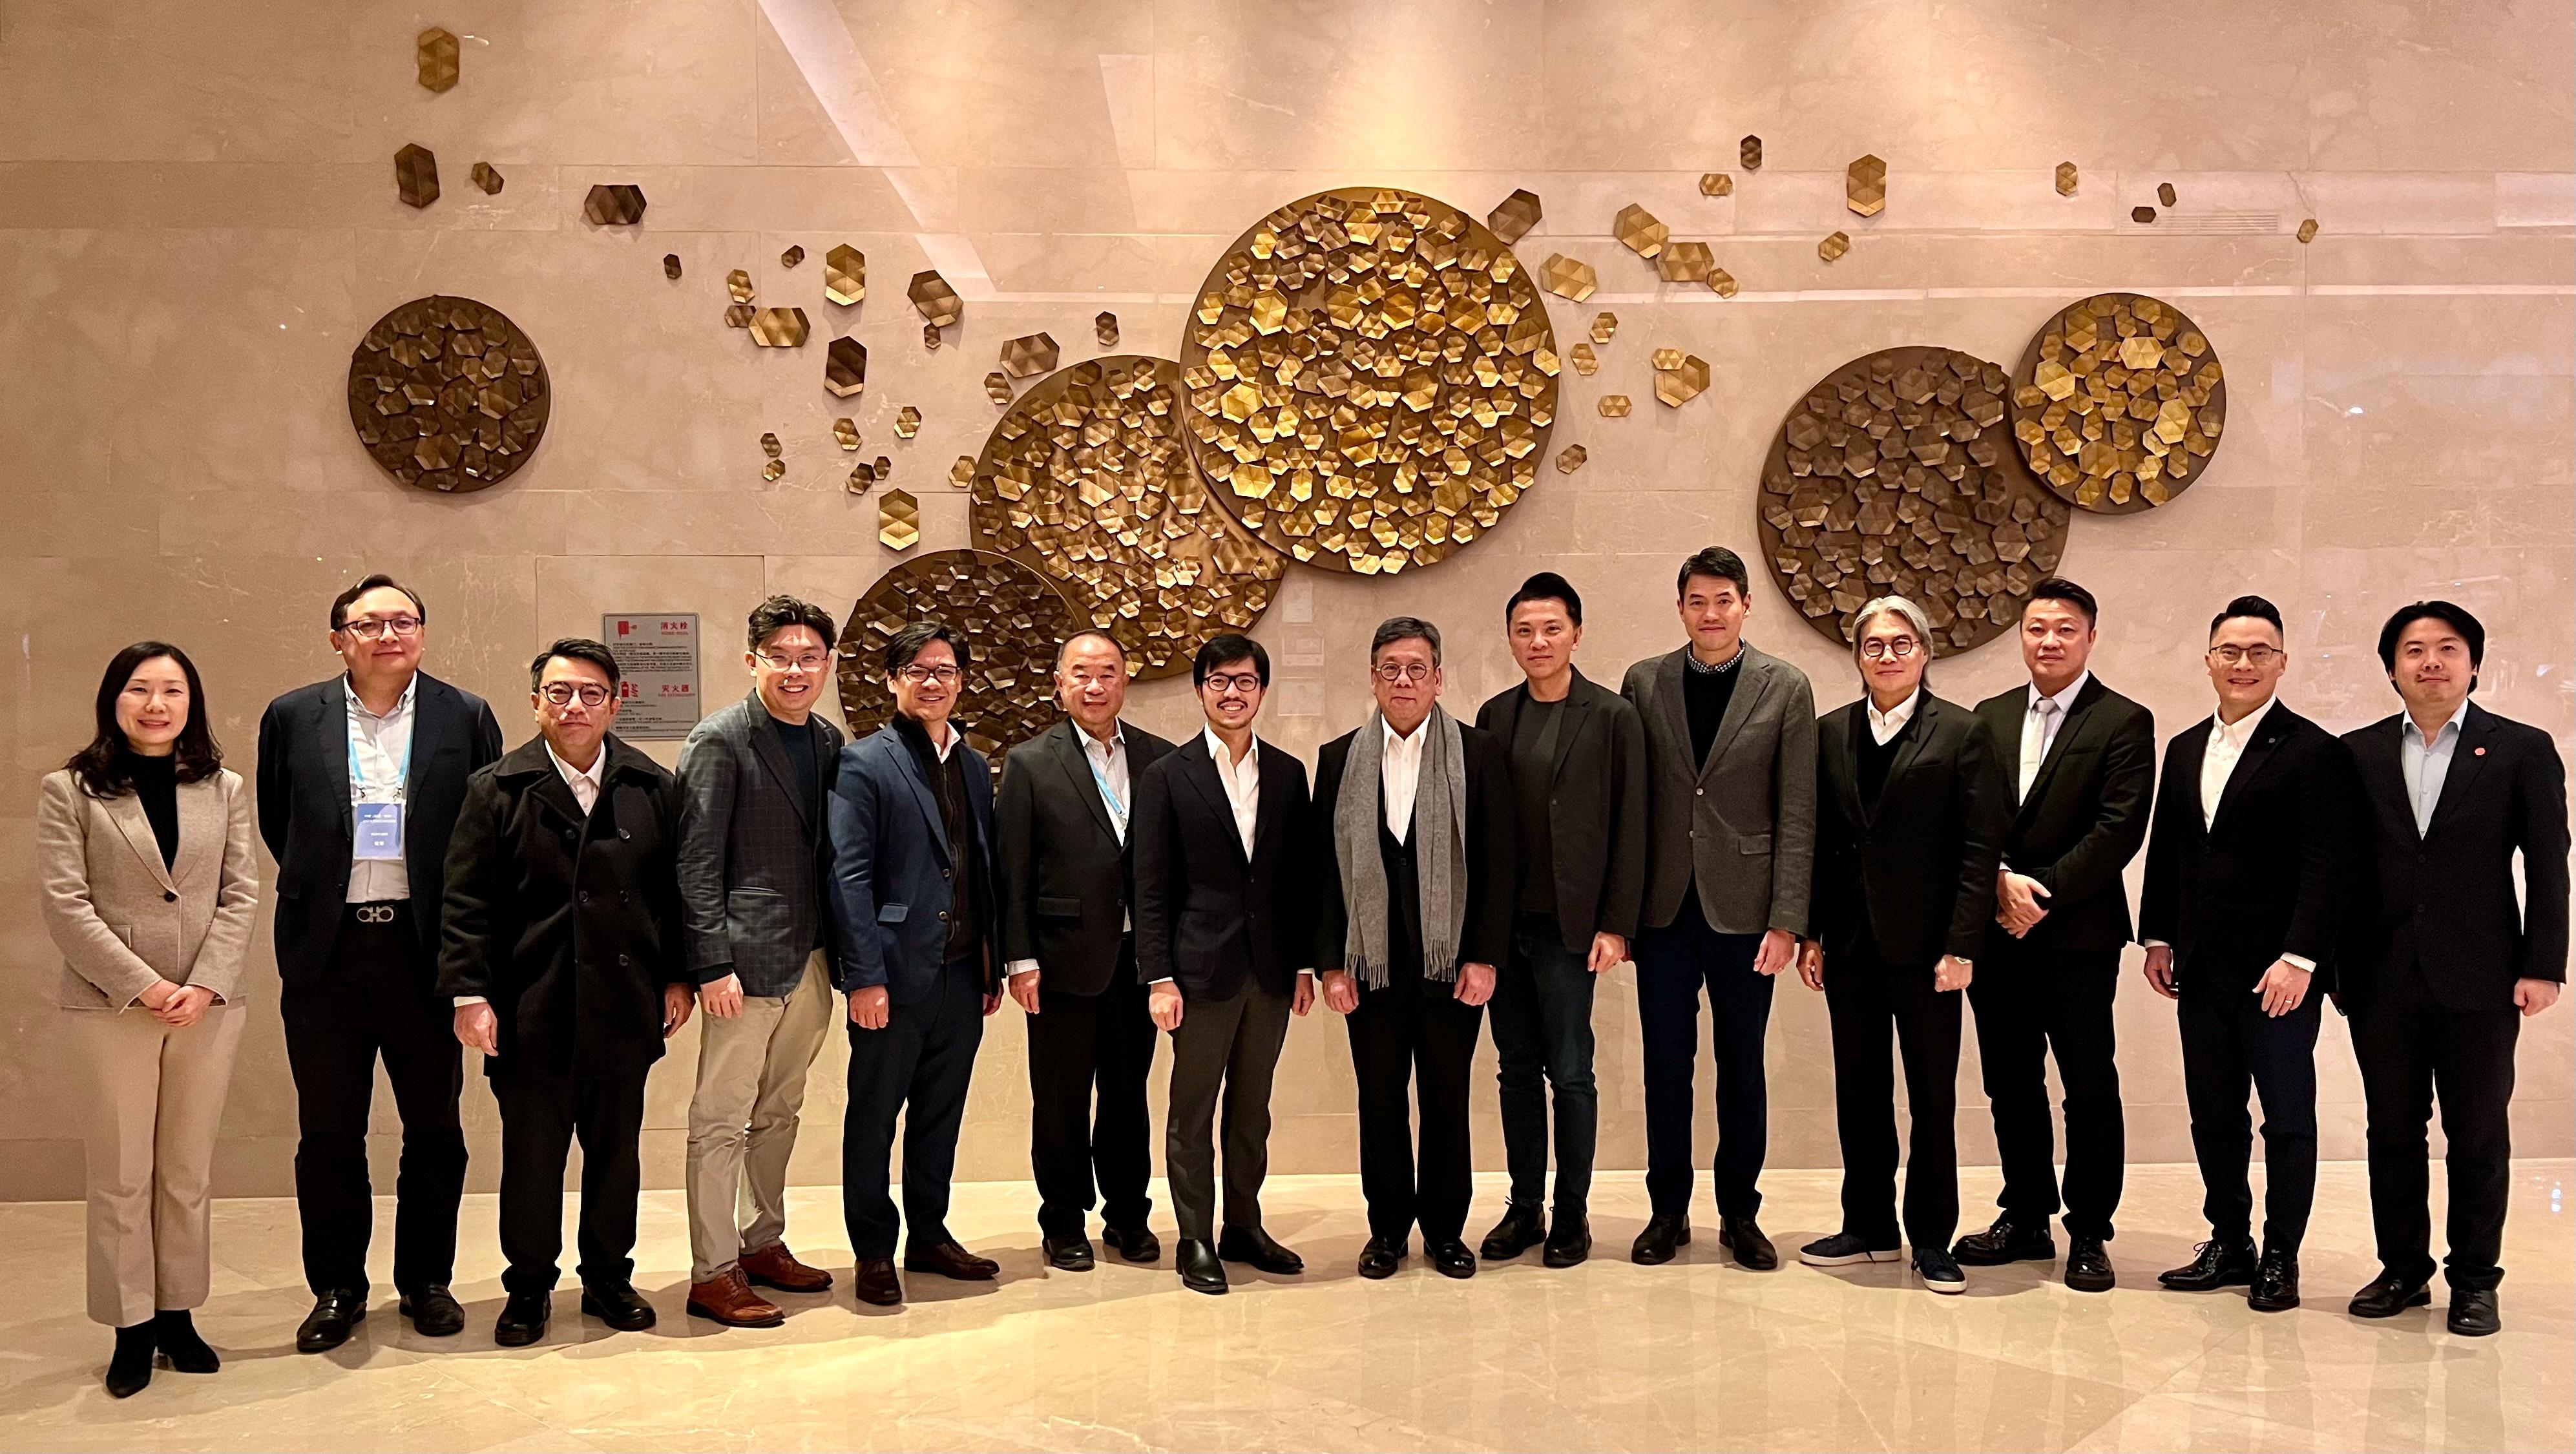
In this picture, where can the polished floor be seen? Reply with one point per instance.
(1696, 1355)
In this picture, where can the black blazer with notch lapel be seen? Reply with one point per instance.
(753, 852)
(1068, 885)
(2086, 815)
(2272, 874)
(2446, 899)
(1493, 860)
(1207, 916)
(1914, 871)
(304, 813)
(1596, 808)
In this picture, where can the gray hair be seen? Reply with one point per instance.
(1405, 628)
(1912, 614)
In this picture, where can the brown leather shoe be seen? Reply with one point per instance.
(875, 1282)
(775, 1266)
(950, 1260)
(728, 1299)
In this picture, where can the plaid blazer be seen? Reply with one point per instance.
(753, 856)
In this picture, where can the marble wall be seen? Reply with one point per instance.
(198, 221)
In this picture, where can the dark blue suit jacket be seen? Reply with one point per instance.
(891, 861)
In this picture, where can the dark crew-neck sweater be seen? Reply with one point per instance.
(1705, 693)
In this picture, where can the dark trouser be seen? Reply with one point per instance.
(1542, 1010)
(1863, 994)
(377, 996)
(1075, 1043)
(1414, 1040)
(540, 1116)
(917, 1067)
(2411, 1045)
(2228, 1043)
(2028, 1003)
(1673, 964)
(1224, 1049)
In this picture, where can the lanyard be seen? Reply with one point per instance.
(359, 782)
(1117, 809)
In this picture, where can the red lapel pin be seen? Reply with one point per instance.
(2478, 752)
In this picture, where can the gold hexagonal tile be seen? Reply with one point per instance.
(845, 275)
(845, 432)
(1665, 358)
(774, 471)
(1865, 186)
(770, 446)
(2165, 193)
(1639, 231)
(1605, 326)
(613, 204)
(907, 422)
(898, 520)
(2308, 230)
(1568, 278)
(862, 475)
(938, 303)
(2067, 178)
(1614, 406)
(1585, 360)
(434, 55)
(1834, 246)
(738, 284)
(416, 175)
(1721, 282)
(845, 367)
(1685, 262)
(671, 266)
(1514, 216)
(791, 257)
(739, 315)
(1716, 184)
(1104, 330)
(997, 387)
(2118, 403)
(930, 337)
(2143, 216)
(1029, 355)
(1748, 153)
(884, 468)
(1571, 458)
(962, 473)
(1685, 379)
(779, 328)
(488, 177)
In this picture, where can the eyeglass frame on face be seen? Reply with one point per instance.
(2232, 654)
(922, 676)
(572, 690)
(1246, 682)
(1897, 648)
(1415, 672)
(813, 666)
(374, 628)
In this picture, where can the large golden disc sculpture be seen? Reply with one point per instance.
(1370, 378)
(1088, 478)
(448, 394)
(1894, 476)
(2118, 403)
(1012, 619)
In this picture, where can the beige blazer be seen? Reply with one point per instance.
(121, 919)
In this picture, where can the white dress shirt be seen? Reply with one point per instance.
(1885, 725)
(1242, 782)
(1108, 761)
(2041, 720)
(2217, 764)
(2428, 765)
(380, 763)
(1400, 775)
(585, 787)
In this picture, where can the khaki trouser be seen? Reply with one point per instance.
(154, 1098)
(742, 1119)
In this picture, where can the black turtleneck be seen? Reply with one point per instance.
(948, 785)
(156, 786)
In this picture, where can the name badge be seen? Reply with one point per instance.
(380, 831)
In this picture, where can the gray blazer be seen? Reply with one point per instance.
(123, 921)
(752, 856)
(1743, 823)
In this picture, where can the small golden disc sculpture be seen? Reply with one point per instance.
(1012, 619)
(1894, 476)
(1370, 378)
(2118, 403)
(1088, 478)
(448, 394)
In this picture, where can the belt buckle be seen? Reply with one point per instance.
(375, 913)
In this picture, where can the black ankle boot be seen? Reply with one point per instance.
(176, 1334)
(130, 1370)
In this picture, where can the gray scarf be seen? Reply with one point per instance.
(1439, 846)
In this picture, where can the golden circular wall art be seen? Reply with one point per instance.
(1012, 619)
(1370, 378)
(1894, 476)
(2118, 403)
(448, 394)
(1088, 478)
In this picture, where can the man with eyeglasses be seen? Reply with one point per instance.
(360, 780)
(562, 955)
(911, 814)
(2250, 868)
(1414, 826)
(754, 856)
(1063, 855)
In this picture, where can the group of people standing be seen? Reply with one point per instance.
(563, 908)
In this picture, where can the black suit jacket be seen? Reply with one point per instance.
(1206, 915)
(569, 923)
(1068, 885)
(2445, 900)
(1596, 809)
(304, 814)
(2272, 874)
(2086, 815)
(1492, 861)
(1914, 871)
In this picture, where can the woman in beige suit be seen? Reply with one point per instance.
(143, 843)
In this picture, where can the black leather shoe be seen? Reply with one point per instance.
(1073, 1254)
(1257, 1248)
(335, 1315)
(1451, 1258)
(2388, 1295)
(129, 1369)
(2088, 1265)
(523, 1319)
(2473, 1313)
(1665, 1231)
(950, 1260)
(1134, 1244)
(2006, 1241)
(1382, 1256)
(175, 1334)
(2214, 1264)
(1201, 1269)
(1524, 1226)
(1743, 1237)
(873, 1282)
(1569, 1241)
(433, 1311)
(618, 1305)
(2276, 1283)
